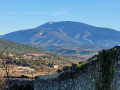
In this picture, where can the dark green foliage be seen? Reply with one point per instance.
(50, 64)
(67, 68)
(106, 73)
(22, 87)
(74, 66)
(22, 76)
(20, 49)
(59, 70)
(17, 48)
(29, 63)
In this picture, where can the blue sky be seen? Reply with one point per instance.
(25, 14)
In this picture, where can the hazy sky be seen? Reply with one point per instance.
(25, 14)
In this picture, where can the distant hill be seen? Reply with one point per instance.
(21, 49)
(17, 48)
(66, 33)
(79, 50)
(43, 62)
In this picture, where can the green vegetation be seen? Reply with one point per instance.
(17, 48)
(77, 65)
(59, 70)
(31, 63)
(21, 49)
(106, 72)
(73, 66)
(24, 55)
(106, 59)
(67, 68)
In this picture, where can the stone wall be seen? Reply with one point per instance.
(78, 79)
(82, 78)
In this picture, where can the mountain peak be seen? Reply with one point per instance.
(51, 22)
(66, 32)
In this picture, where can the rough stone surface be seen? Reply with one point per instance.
(82, 78)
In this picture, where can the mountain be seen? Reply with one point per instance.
(66, 33)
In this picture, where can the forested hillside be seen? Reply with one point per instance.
(32, 58)
(17, 48)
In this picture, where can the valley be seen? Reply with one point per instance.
(26, 59)
(52, 47)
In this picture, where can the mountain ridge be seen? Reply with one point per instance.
(66, 32)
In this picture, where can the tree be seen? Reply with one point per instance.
(59, 70)
(67, 68)
(6, 67)
(74, 66)
(2, 82)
